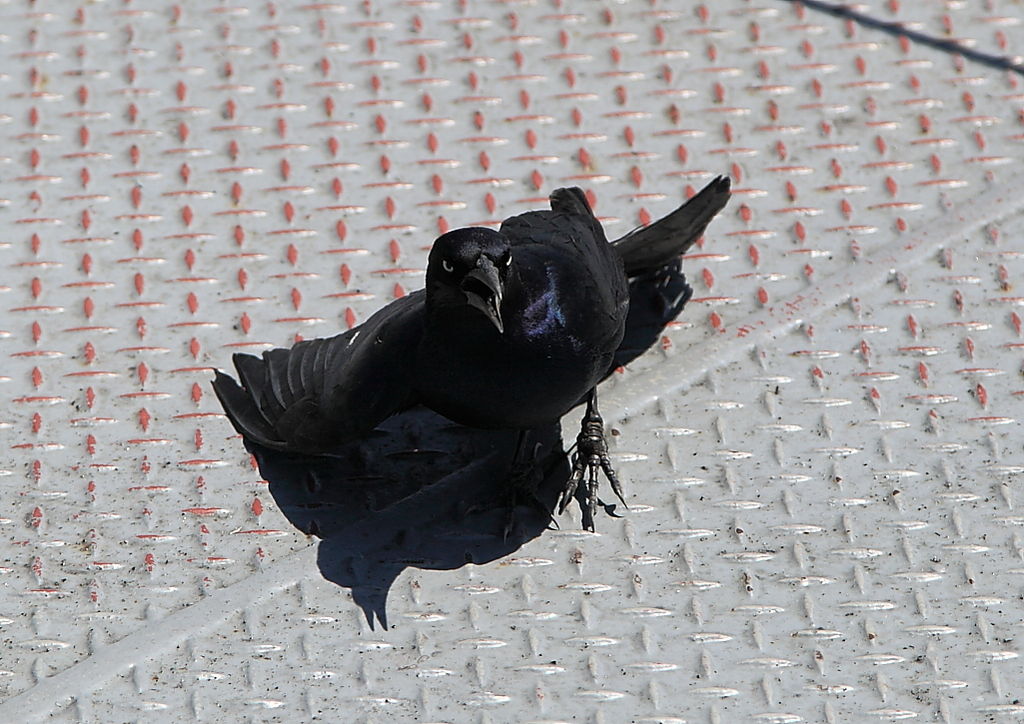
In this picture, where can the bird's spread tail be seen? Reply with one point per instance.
(651, 247)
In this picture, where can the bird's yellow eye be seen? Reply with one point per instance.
(508, 259)
(447, 266)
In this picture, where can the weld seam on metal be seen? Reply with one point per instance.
(153, 641)
(78, 681)
(872, 270)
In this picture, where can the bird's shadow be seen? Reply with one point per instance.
(423, 492)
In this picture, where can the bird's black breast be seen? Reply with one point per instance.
(564, 312)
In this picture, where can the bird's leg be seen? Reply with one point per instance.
(524, 476)
(518, 464)
(591, 457)
(519, 487)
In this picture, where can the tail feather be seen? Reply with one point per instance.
(306, 367)
(296, 360)
(308, 370)
(319, 368)
(243, 411)
(253, 375)
(276, 361)
(651, 247)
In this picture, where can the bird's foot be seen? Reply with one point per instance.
(590, 459)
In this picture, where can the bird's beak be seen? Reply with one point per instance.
(483, 289)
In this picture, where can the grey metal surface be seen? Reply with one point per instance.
(822, 458)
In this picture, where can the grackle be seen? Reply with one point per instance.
(514, 328)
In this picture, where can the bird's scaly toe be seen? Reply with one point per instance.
(589, 461)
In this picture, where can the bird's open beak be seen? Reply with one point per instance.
(484, 290)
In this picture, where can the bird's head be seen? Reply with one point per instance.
(470, 266)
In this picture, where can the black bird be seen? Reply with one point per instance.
(514, 328)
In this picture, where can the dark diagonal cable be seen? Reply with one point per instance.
(947, 46)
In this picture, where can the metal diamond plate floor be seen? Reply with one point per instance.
(822, 457)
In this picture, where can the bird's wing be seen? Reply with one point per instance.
(325, 392)
(570, 221)
(650, 247)
(572, 202)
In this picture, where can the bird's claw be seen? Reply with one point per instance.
(590, 459)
